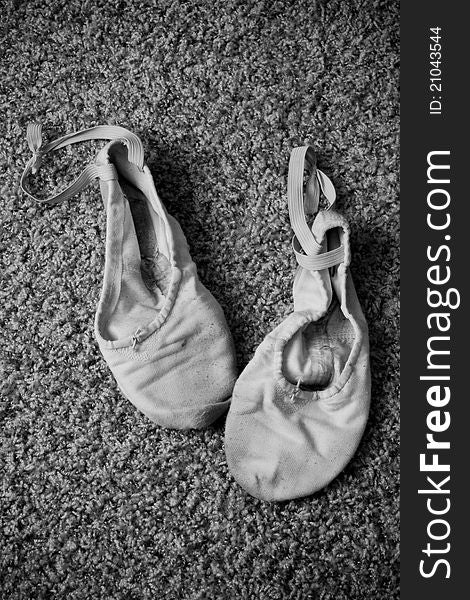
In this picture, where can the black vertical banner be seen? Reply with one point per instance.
(435, 209)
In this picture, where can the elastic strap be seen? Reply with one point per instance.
(295, 198)
(318, 262)
(299, 204)
(91, 171)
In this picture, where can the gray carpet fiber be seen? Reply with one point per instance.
(97, 501)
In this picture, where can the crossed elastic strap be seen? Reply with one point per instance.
(92, 171)
(306, 248)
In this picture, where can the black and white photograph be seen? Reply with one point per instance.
(200, 300)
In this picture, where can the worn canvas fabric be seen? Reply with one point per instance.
(162, 333)
(300, 406)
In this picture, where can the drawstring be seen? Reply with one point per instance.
(92, 171)
(299, 205)
(135, 338)
(295, 391)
